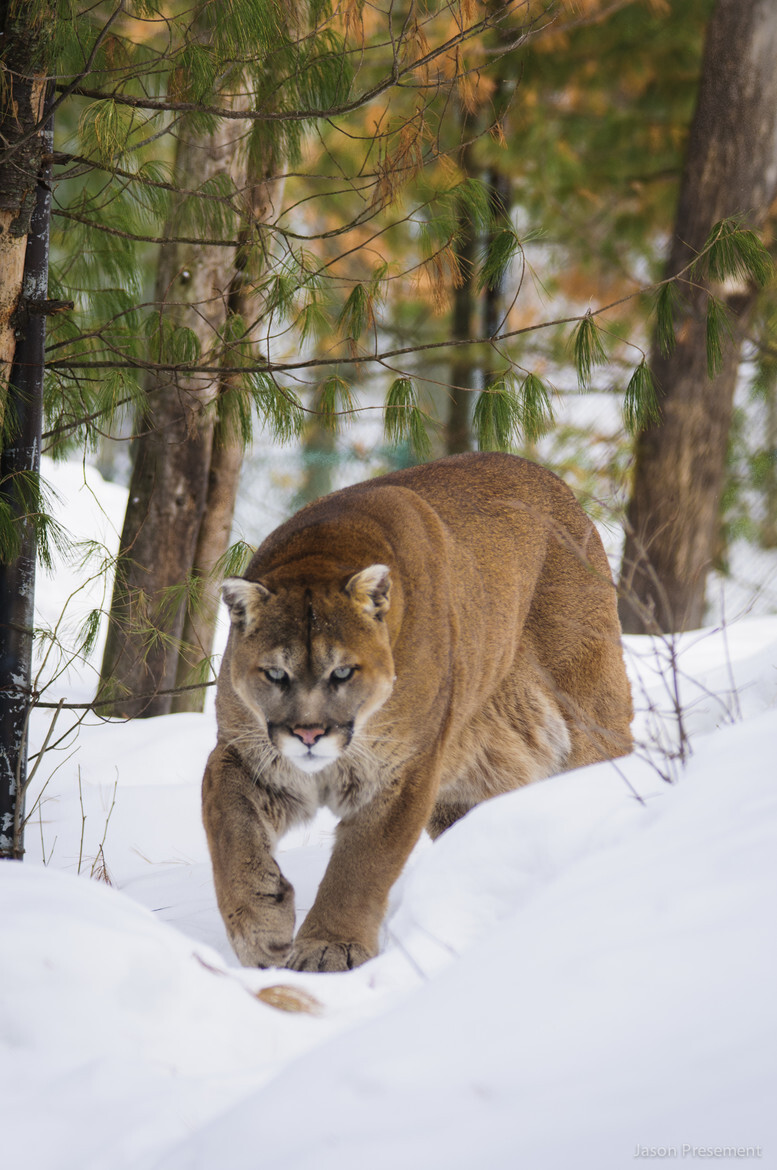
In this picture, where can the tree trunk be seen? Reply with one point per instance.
(730, 169)
(25, 207)
(212, 542)
(458, 430)
(263, 198)
(168, 488)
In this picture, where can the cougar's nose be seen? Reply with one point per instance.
(309, 735)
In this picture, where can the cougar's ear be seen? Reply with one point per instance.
(244, 600)
(370, 589)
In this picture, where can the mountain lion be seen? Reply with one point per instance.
(400, 651)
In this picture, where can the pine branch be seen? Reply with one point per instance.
(359, 359)
(96, 704)
(395, 78)
(96, 225)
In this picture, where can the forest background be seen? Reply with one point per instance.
(375, 234)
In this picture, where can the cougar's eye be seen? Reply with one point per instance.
(276, 675)
(342, 673)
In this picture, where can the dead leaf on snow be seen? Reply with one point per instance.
(290, 999)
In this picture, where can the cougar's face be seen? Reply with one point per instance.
(312, 663)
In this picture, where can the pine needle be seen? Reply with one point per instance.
(588, 350)
(667, 300)
(502, 246)
(718, 328)
(640, 403)
(734, 252)
(335, 401)
(504, 415)
(403, 420)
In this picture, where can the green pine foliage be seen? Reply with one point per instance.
(507, 415)
(335, 403)
(718, 330)
(734, 252)
(537, 408)
(89, 633)
(370, 213)
(472, 197)
(359, 118)
(589, 351)
(313, 321)
(666, 305)
(357, 313)
(640, 402)
(278, 407)
(234, 561)
(403, 419)
(497, 418)
(116, 199)
(29, 503)
(498, 255)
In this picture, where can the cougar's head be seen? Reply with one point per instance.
(311, 660)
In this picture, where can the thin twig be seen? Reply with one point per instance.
(83, 821)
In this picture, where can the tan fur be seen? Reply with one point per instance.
(473, 598)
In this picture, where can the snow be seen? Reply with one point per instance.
(574, 973)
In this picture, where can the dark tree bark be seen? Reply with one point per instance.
(25, 206)
(463, 373)
(458, 430)
(500, 197)
(730, 169)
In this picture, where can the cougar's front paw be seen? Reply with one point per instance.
(260, 923)
(318, 955)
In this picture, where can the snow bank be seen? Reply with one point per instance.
(568, 974)
(117, 1034)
